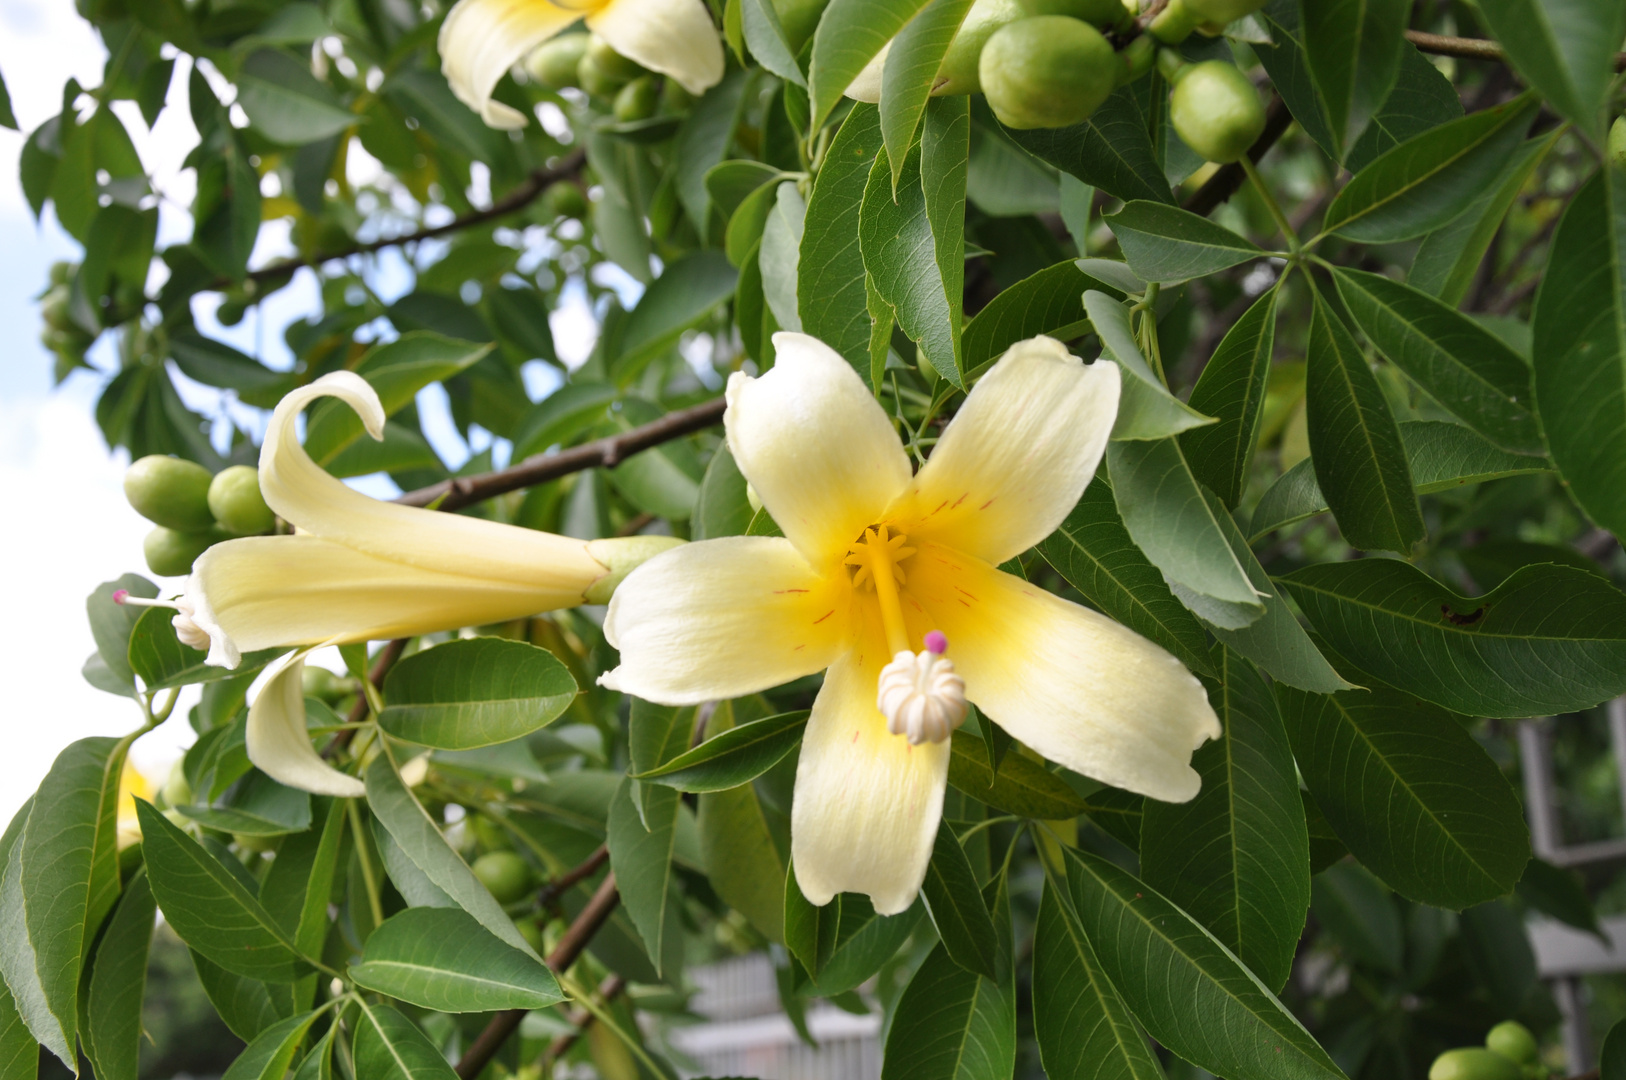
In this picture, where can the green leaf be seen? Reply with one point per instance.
(766, 39)
(286, 103)
(244, 1005)
(1409, 792)
(1450, 256)
(741, 859)
(1422, 99)
(954, 1024)
(1565, 48)
(1559, 893)
(397, 370)
(1360, 463)
(8, 119)
(442, 959)
(256, 806)
(1112, 150)
(210, 909)
(214, 363)
(1237, 857)
(1431, 178)
(852, 942)
(830, 294)
(1046, 302)
(688, 290)
(779, 252)
(956, 907)
(1093, 551)
(1167, 244)
(19, 1053)
(562, 417)
(1189, 992)
(737, 756)
(1004, 180)
(1442, 456)
(702, 142)
(810, 931)
(299, 884)
(1284, 61)
(1022, 786)
(1466, 368)
(1084, 1029)
(1171, 521)
(422, 843)
(641, 856)
(849, 35)
(910, 72)
(721, 508)
(663, 480)
(111, 623)
(1146, 409)
(388, 1046)
(745, 225)
(157, 655)
(1550, 639)
(1232, 389)
(1359, 915)
(60, 880)
(476, 692)
(1353, 51)
(1580, 348)
(271, 1054)
(1498, 951)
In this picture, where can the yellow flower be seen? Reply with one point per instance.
(482, 39)
(876, 563)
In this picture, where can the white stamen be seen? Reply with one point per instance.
(921, 696)
(187, 630)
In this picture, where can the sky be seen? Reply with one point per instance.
(67, 527)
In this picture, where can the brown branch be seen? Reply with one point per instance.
(607, 453)
(589, 866)
(592, 918)
(1228, 179)
(1471, 48)
(387, 656)
(608, 991)
(517, 199)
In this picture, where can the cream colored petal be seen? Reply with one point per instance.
(867, 803)
(278, 742)
(481, 39)
(1015, 459)
(674, 37)
(304, 494)
(1072, 684)
(816, 446)
(867, 85)
(722, 618)
(262, 592)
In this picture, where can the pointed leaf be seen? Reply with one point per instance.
(1146, 410)
(830, 293)
(911, 71)
(1022, 786)
(442, 959)
(390, 1047)
(737, 756)
(1450, 256)
(1353, 50)
(1232, 390)
(1566, 48)
(956, 907)
(478, 692)
(1111, 150)
(271, 1054)
(112, 1037)
(1044, 303)
(641, 856)
(1167, 244)
(849, 35)
(1422, 99)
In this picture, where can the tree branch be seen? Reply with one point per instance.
(1228, 179)
(387, 656)
(592, 918)
(1471, 48)
(589, 866)
(606, 453)
(517, 199)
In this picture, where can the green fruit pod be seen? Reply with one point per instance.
(595, 80)
(171, 554)
(1048, 71)
(507, 876)
(1473, 1063)
(236, 502)
(1617, 143)
(170, 492)
(1216, 111)
(565, 199)
(1106, 14)
(958, 72)
(637, 100)
(618, 67)
(1513, 1041)
(553, 64)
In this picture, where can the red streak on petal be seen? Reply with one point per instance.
(855, 736)
(987, 504)
(962, 499)
(782, 592)
(823, 617)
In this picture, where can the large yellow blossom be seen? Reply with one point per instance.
(874, 561)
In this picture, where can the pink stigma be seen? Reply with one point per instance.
(120, 595)
(936, 642)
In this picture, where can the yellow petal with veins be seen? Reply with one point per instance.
(277, 740)
(1072, 684)
(867, 804)
(481, 39)
(1015, 459)
(673, 37)
(724, 618)
(816, 446)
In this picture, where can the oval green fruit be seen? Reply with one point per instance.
(255, 845)
(1617, 142)
(565, 199)
(553, 63)
(505, 874)
(1048, 71)
(1473, 1063)
(236, 502)
(1106, 14)
(799, 18)
(1222, 12)
(637, 100)
(323, 685)
(489, 835)
(595, 80)
(170, 492)
(171, 554)
(176, 790)
(1216, 111)
(531, 932)
(958, 72)
(54, 308)
(1513, 1041)
(612, 63)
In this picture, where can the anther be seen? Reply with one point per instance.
(921, 695)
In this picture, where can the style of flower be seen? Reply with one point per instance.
(874, 563)
(481, 39)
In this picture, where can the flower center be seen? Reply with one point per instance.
(875, 557)
(190, 633)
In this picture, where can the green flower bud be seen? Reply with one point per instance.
(1473, 1063)
(323, 685)
(1222, 12)
(507, 876)
(171, 554)
(612, 63)
(637, 100)
(1107, 14)
(958, 72)
(565, 199)
(254, 845)
(236, 502)
(799, 18)
(1216, 111)
(1617, 142)
(595, 80)
(1513, 1041)
(1046, 72)
(170, 492)
(554, 62)
(675, 99)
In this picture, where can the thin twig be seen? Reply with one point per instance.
(607, 453)
(608, 991)
(520, 197)
(1471, 48)
(592, 918)
(559, 885)
(1228, 179)
(387, 656)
